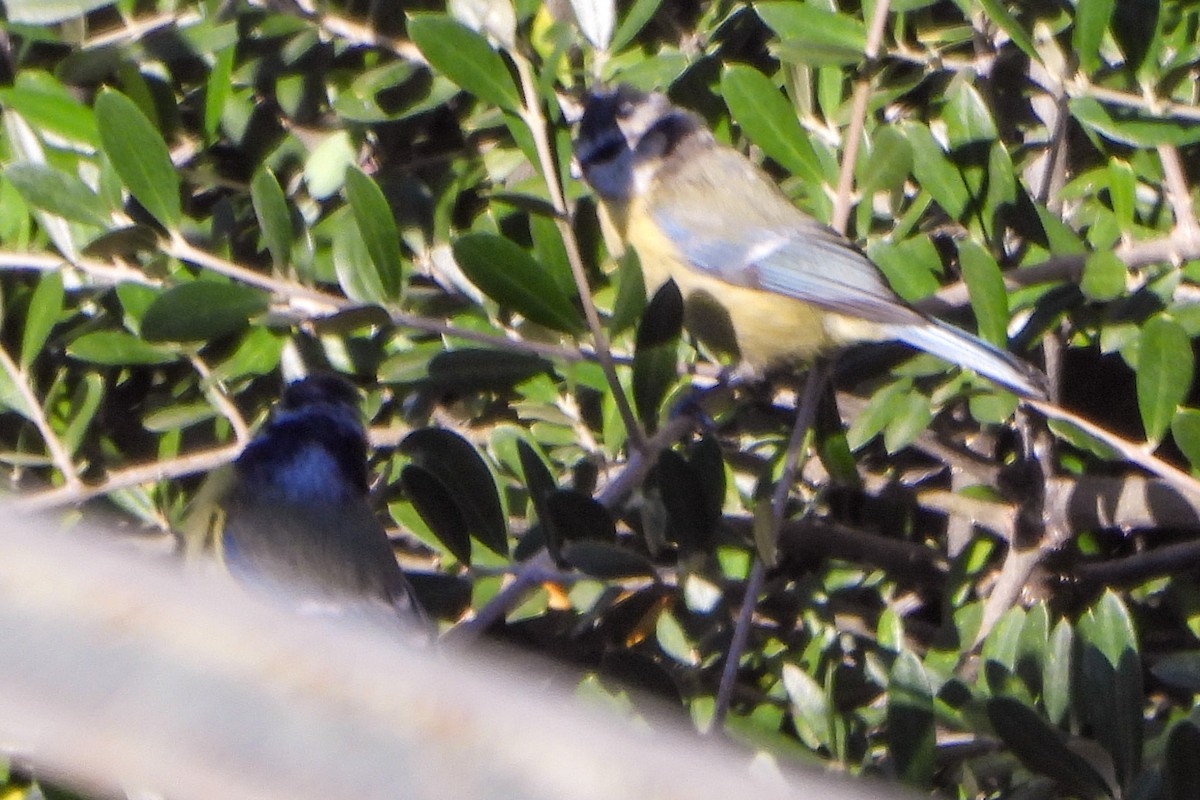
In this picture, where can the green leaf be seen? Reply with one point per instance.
(58, 193)
(327, 163)
(512, 278)
(631, 294)
(935, 172)
(433, 501)
(1104, 276)
(908, 266)
(1133, 127)
(910, 731)
(606, 561)
(1181, 762)
(1091, 20)
(813, 35)
(998, 14)
(1122, 191)
(47, 12)
(1185, 430)
(985, 286)
(201, 311)
(910, 416)
(655, 367)
(1041, 749)
(217, 90)
(810, 706)
(889, 164)
(1110, 682)
(765, 115)
(466, 477)
(967, 117)
(377, 225)
(641, 12)
(352, 264)
(573, 516)
(118, 348)
(1164, 374)
(85, 402)
(466, 58)
(274, 219)
(140, 156)
(1056, 672)
(45, 308)
(49, 107)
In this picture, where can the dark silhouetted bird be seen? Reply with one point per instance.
(298, 517)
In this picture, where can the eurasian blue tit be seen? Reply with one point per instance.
(297, 516)
(762, 282)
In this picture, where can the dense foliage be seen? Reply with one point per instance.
(199, 198)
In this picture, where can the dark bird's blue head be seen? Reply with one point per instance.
(314, 449)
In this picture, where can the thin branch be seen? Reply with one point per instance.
(858, 116)
(806, 413)
(1178, 193)
(169, 469)
(1131, 451)
(107, 274)
(217, 396)
(35, 414)
(531, 113)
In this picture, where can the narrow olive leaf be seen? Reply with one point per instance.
(1091, 20)
(641, 12)
(274, 219)
(49, 107)
(85, 402)
(1030, 663)
(464, 57)
(1056, 672)
(985, 287)
(765, 116)
(889, 163)
(1181, 762)
(766, 534)
(1112, 694)
(12, 397)
(1104, 276)
(58, 193)
(477, 369)
(118, 348)
(674, 641)
(934, 170)
(655, 368)
(432, 500)
(217, 90)
(511, 277)
(1122, 192)
(1185, 430)
(910, 416)
(631, 294)
(810, 706)
(466, 477)
(47, 12)
(45, 308)
(326, 165)
(705, 458)
(606, 561)
(139, 155)
(910, 731)
(573, 516)
(682, 494)
(539, 481)
(377, 225)
(1041, 749)
(352, 264)
(812, 35)
(998, 14)
(1164, 374)
(201, 311)
(966, 115)
(1132, 127)
(908, 265)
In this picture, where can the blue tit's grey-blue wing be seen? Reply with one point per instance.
(802, 259)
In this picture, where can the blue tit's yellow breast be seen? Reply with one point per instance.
(764, 329)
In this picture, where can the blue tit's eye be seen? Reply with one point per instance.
(606, 151)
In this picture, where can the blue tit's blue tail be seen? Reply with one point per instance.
(959, 347)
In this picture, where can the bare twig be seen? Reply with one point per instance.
(35, 414)
(858, 116)
(531, 113)
(806, 413)
(216, 395)
(1178, 193)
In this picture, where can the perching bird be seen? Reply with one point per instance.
(762, 282)
(298, 518)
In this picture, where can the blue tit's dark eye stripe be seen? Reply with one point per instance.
(605, 150)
